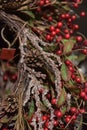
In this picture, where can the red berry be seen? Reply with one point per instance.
(4, 129)
(38, 9)
(82, 111)
(52, 28)
(53, 101)
(5, 78)
(45, 128)
(57, 30)
(59, 38)
(85, 42)
(67, 15)
(66, 31)
(63, 16)
(14, 77)
(41, 3)
(74, 117)
(53, 33)
(71, 68)
(67, 119)
(67, 36)
(48, 37)
(58, 113)
(76, 26)
(78, 80)
(59, 52)
(55, 123)
(73, 17)
(82, 94)
(59, 24)
(48, 96)
(85, 97)
(67, 62)
(82, 13)
(73, 110)
(73, 76)
(47, 123)
(84, 51)
(79, 38)
(44, 118)
(75, 5)
(85, 90)
(50, 18)
(47, 1)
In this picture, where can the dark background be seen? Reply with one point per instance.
(83, 20)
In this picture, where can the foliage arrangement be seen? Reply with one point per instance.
(47, 90)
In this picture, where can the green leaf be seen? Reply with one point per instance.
(72, 57)
(64, 109)
(68, 45)
(31, 110)
(62, 98)
(66, 7)
(50, 48)
(29, 13)
(65, 72)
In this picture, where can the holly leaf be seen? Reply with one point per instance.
(68, 45)
(29, 13)
(65, 72)
(31, 110)
(64, 109)
(62, 98)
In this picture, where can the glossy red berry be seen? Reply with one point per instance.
(44, 118)
(55, 123)
(74, 117)
(84, 51)
(59, 24)
(57, 30)
(82, 111)
(41, 3)
(52, 28)
(68, 62)
(79, 38)
(67, 119)
(59, 52)
(67, 36)
(73, 110)
(58, 113)
(48, 37)
(73, 76)
(82, 13)
(78, 80)
(82, 94)
(73, 17)
(53, 101)
(50, 18)
(46, 128)
(85, 42)
(53, 33)
(76, 26)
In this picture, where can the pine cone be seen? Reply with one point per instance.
(11, 4)
(34, 59)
